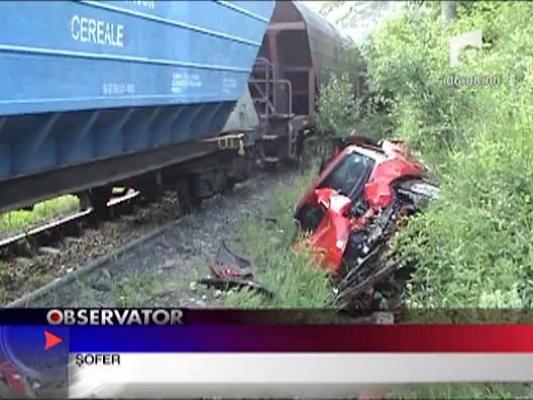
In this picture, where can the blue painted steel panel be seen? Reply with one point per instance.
(58, 56)
(88, 80)
(213, 20)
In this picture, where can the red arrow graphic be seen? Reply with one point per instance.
(51, 340)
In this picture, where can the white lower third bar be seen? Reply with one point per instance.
(255, 375)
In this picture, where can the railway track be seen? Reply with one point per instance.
(27, 299)
(91, 266)
(71, 225)
(125, 261)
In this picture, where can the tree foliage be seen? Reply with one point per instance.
(473, 247)
(337, 106)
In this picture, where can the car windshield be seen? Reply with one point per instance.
(349, 175)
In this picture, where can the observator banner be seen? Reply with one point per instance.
(173, 352)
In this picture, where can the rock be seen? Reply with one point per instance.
(129, 218)
(105, 274)
(102, 286)
(70, 240)
(201, 303)
(193, 286)
(52, 251)
(24, 262)
(183, 248)
(169, 265)
(383, 318)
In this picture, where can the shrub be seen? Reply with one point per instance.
(472, 247)
(337, 106)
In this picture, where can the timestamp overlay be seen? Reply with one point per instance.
(480, 81)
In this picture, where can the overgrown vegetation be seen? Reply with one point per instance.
(136, 290)
(338, 107)
(472, 248)
(268, 241)
(4, 280)
(21, 219)
(464, 391)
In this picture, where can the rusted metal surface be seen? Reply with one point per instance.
(324, 42)
(303, 49)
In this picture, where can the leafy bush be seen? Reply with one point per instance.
(337, 106)
(473, 246)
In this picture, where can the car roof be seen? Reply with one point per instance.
(375, 154)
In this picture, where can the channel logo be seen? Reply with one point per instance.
(115, 316)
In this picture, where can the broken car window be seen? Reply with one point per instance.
(349, 176)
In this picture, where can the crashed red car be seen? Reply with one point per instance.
(358, 201)
(12, 383)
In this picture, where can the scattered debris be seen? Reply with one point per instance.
(232, 272)
(361, 198)
(229, 265)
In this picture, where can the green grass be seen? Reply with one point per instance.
(138, 290)
(472, 247)
(21, 219)
(464, 391)
(290, 274)
(4, 280)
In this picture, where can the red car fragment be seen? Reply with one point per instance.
(356, 186)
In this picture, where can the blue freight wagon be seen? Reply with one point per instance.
(96, 91)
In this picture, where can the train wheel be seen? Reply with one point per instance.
(229, 184)
(151, 188)
(84, 200)
(187, 201)
(150, 193)
(99, 197)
